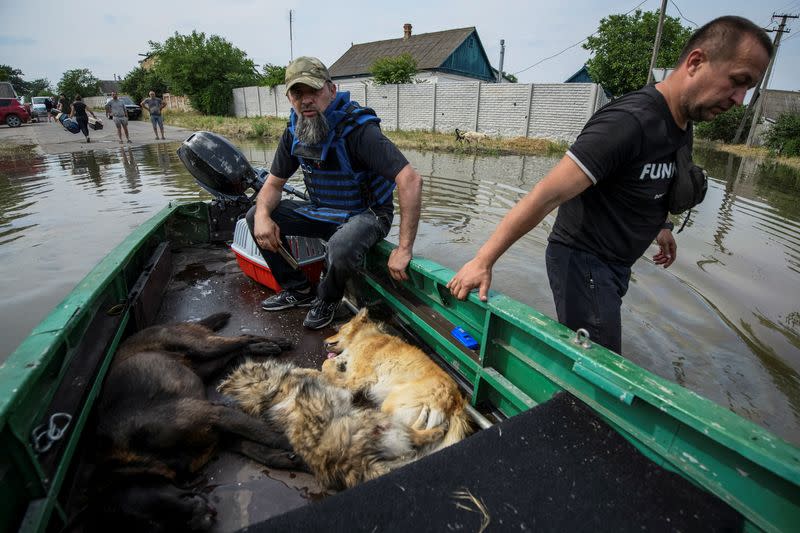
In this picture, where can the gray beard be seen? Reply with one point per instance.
(311, 130)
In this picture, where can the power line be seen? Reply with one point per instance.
(681, 14)
(572, 45)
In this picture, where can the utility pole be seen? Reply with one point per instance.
(291, 50)
(657, 44)
(759, 106)
(502, 54)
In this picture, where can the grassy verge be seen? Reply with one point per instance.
(271, 129)
(11, 151)
(758, 152)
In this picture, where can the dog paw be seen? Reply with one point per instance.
(266, 348)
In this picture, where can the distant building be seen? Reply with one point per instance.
(582, 76)
(148, 61)
(660, 74)
(442, 56)
(109, 86)
(777, 102)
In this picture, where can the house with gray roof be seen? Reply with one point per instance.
(441, 56)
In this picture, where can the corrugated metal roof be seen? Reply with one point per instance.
(430, 50)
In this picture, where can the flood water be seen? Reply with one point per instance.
(724, 320)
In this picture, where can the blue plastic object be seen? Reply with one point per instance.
(464, 338)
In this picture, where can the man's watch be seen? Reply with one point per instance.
(668, 225)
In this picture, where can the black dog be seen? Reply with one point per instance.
(157, 429)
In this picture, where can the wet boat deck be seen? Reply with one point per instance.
(206, 279)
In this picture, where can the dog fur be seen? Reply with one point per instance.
(342, 444)
(398, 377)
(470, 136)
(156, 428)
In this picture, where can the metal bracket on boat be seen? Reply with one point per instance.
(44, 435)
(582, 339)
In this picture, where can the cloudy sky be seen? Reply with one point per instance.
(46, 38)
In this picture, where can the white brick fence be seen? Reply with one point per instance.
(555, 111)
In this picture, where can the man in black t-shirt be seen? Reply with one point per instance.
(350, 170)
(612, 184)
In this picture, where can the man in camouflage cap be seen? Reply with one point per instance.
(350, 172)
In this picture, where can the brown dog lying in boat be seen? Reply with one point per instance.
(156, 428)
(398, 377)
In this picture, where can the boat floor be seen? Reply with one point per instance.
(555, 467)
(206, 279)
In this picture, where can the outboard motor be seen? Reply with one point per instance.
(221, 169)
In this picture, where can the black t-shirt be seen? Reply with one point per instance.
(628, 150)
(368, 148)
(80, 109)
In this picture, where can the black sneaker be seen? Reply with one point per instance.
(321, 314)
(287, 299)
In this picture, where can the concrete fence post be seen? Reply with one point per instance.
(433, 111)
(477, 107)
(592, 102)
(530, 113)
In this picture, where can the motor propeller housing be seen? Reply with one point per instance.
(220, 167)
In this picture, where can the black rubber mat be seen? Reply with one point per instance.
(554, 468)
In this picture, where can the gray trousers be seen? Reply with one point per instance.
(347, 245)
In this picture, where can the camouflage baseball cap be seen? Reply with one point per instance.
(307, 70)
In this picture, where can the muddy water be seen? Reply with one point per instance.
(724, 320)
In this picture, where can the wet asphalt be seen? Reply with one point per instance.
(52, 138)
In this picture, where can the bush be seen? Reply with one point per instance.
(139, 82)
(206, 69)
(784, 135)
(400, 69)
(723, 127)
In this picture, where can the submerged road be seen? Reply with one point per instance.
(52, 138)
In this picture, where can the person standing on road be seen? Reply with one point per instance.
(63, 104)
(613, 184)
(78, 111)
(48, 106)
(115, 109)
(154, 106)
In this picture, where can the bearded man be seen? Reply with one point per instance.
(350, 172)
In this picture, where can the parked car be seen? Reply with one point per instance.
(38, 109)
(13, 113)
(134, 111)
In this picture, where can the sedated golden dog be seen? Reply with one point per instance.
(342, 444)
(398, 377)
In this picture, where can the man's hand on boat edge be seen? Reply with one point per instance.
(473, 274)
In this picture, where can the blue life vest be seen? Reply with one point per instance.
(338, 194)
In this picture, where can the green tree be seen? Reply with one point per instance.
(139, 82)
(784, 136)
(14, 76)
(79, 81)
(622, 46)
(206, 70)
(398, 69)
(723, 127)
(274, 75)
(39, 87)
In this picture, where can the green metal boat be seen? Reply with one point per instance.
(177, 266)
